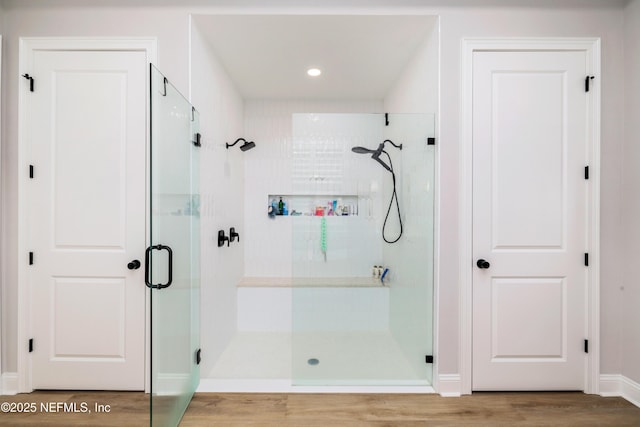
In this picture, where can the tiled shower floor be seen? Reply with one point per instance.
(345, 358)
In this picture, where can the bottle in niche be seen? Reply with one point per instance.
(273, 208)
(280, 206)
(377, 271)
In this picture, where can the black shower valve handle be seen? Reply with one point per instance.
(222, 238)
(233, 235)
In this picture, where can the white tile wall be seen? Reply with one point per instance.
(268, 170)
(222, 201)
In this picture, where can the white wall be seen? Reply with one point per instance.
(631, 201)
(416, 89)
(170, 24)
(222, 204)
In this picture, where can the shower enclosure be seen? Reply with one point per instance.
(172, 262)
(362, 307)
(325, 302)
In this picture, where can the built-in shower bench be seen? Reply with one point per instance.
(310, 282)
(279, 304)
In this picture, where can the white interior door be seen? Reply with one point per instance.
(87, 136)
(529, 220)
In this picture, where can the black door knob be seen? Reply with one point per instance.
(134, 265)
(483, 263)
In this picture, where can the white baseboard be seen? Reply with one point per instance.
(171, 384)
(9, 384)
(631, 391)
(619, 385)
(610, 385)
(450, 385)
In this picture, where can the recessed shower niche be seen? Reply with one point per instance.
(346, 276)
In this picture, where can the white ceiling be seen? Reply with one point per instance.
(360, 57)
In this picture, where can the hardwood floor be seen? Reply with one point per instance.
(126, 409)
(334, 410)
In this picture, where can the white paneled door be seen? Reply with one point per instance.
(529, 220)
(87, 136)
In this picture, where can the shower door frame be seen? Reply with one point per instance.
(148, 45)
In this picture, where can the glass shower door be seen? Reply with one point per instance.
(362, 280)
(172, 270)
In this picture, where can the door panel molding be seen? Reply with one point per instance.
(27, 47)
(591, 47)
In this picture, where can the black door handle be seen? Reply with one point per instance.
(134, 265)
(147, 270)
(483, 263)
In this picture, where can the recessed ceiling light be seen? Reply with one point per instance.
(314, 72)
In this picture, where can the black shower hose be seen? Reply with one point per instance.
(393, 195)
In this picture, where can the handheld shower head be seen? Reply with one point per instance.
(375, 155)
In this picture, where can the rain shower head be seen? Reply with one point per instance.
(362, 150)
(246, 145)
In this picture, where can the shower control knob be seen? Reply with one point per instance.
(483, 264)
(134, 265)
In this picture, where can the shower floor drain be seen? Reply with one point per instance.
(313, 361)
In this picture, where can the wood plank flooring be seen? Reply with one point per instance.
(335, 410)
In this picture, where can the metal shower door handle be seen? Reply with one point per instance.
(147, 270)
